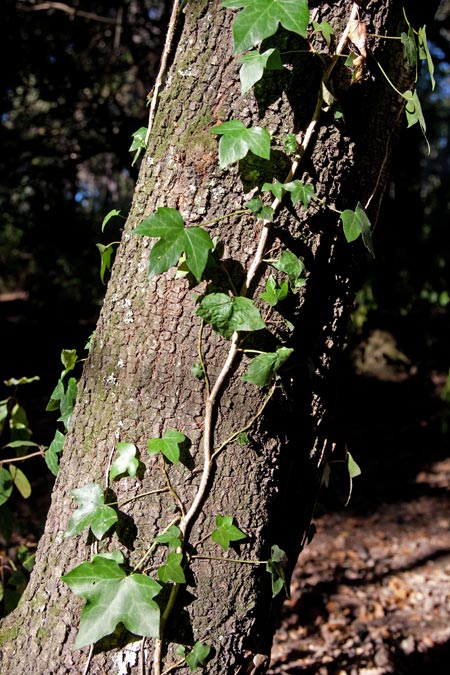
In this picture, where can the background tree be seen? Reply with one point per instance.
(139, 398)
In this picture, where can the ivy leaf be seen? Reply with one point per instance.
(259, 209)
(198, 656)
(226, 532)
(254, 64)
(227, 315)
(91, 512)
(325, 29)
(106, 253)
(126, 462)
(277, 189)
(260, 19)
(109, 215)
(138, 143)
(264, 367)
(290, 144)
(53, 450)
(112, 597)
(69, 358)
(357, 223)
(171, 537)
(169, 445)
(300, 192)
(274, 292)
(409, 44)
(172, 569)
(6, 485)
(414, 113)
(353, 471)
(236, 140)
(293, 266)
(424, 53)
(15, 382)
(174, 240)
(20, 481)
(275, 567)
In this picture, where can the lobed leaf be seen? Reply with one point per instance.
(169, 445)
(236, 141)
(172, 570)
(126, 462)
(91, 512)
(254, 64)
(229, 314)
(226, 532)
(264, 367)
(112, 597)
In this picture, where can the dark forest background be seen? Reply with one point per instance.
(74, 83)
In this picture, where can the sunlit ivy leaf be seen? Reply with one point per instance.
(126, 462)
(172, 570)
(275, 567)
(112, 597)
(21, 444)
(300, 192)
(277, 189)
(325, 29)
(414, 113)
(20, 481)
(171, 537)
(111, 214)
(227, 315)
(118, 556)
(424, 53)
(260, 210)
(254, 64)
(69, 358)
(91, 512)
(353, 471)
(174, 240)
(53, 450)
(63, 397)
(293, 266)
(236, 140)
(198, 656)
(242, 439)
(13, 382)
(138, 143)
(106, 253)
(260, 19)
(197, 370)
(6, 485)
(264, 367)
(275, 292)
(226, 532)
(356, 223)
(169, 445)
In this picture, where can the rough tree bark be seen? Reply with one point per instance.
(137, 382)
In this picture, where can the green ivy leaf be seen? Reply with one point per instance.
(260, 19)
(226, 532)
(91, 512)
(236, 140)
(424, 53)
(106, 253)
(290, 144)
(293, 266)
(198, 656)
(171, 537)
(172, 570)
(409, 44)
(126, 462)
(169, 445)
(300, 192)
(197, 370)
(274, 292)
(53, 450)
(112, 597)
(174, 240)
(275, 567)
(138, 143)
(353, 471)
(357, 223)
(26, 558)
(6, 485)
(325, 29)
(259, 209)
(277, 189)
(264, 367)
(254, 64)
(20, 481)
(111, 214)
(414, 113)
(227, 315)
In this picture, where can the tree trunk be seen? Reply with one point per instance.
(137, 381)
